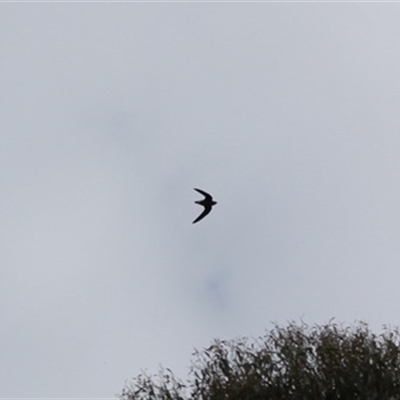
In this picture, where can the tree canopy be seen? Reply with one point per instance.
(290, 363)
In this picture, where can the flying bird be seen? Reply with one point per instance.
(207, 203)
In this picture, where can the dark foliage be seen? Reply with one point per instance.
(296, 362)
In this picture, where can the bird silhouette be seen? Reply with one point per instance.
(207, 203)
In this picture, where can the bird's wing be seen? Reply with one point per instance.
(207, 209)
(205, 194)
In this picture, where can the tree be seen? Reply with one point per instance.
(296, 362)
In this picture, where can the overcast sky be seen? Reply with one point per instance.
(288, 114)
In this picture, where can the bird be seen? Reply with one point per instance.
(207, 203)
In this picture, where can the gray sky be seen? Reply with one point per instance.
(110, 115)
